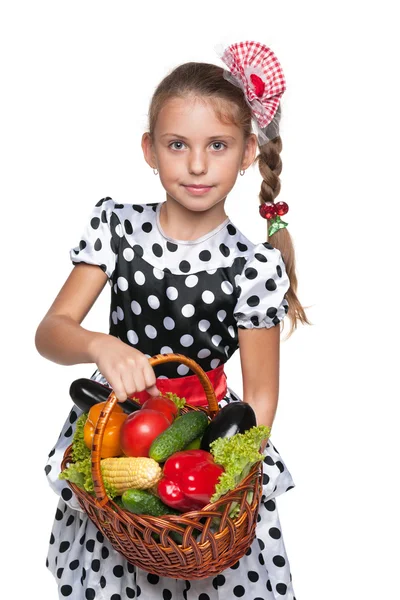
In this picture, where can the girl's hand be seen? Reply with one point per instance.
(126, 369)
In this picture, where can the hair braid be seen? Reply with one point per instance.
(270, 166)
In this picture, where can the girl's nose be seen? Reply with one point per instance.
(197, 162)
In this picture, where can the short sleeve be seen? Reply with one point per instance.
(97, 245)
(261, 288)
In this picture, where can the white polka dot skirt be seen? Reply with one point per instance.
(86, 566)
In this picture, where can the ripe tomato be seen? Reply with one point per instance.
(140, 429)
(164, 405)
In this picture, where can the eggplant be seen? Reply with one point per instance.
(236, 417)
(87, 392)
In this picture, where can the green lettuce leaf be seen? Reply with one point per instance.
(79, 449)
(79, 471)
(237, 454)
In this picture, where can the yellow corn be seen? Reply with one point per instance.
(126, 472)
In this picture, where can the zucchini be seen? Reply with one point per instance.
(177, 436)
(235, 417)
(142, 502)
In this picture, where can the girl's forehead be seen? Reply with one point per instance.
(187, 114)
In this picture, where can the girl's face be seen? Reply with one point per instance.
(192, 147)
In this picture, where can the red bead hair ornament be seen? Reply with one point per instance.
(274, 212)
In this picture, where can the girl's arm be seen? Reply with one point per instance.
(60, 337)
(259, 356)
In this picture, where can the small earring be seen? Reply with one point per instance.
(243, 171)
(155, 171)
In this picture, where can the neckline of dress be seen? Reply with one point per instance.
(189, 242)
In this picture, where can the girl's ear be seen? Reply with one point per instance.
(148, 151)
(250, 150)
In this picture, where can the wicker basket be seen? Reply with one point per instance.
(150, 542)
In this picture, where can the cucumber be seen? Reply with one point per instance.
(194, 445)
(118, 500)
(177, 436)
(142, 502)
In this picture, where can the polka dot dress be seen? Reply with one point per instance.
(188, 297)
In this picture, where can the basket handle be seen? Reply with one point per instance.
(157, 359)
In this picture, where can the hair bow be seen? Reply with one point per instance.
(256, 70)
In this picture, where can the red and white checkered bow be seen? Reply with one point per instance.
(256, 70)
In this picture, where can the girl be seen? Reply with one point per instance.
(184, 279)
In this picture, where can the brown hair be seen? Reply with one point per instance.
(206, 81)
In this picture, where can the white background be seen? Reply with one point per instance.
(76, 82)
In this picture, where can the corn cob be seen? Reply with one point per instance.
(126, 472)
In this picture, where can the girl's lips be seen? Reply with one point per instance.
(197, 190)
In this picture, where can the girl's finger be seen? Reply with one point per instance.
(139, 381)
(118, 387)
(150, 380)
(129, 380)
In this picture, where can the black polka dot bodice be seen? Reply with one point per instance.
(183, 296)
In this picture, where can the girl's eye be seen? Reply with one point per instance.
(172, 143)
(220, 143)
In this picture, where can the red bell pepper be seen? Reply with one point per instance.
(189, 480)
